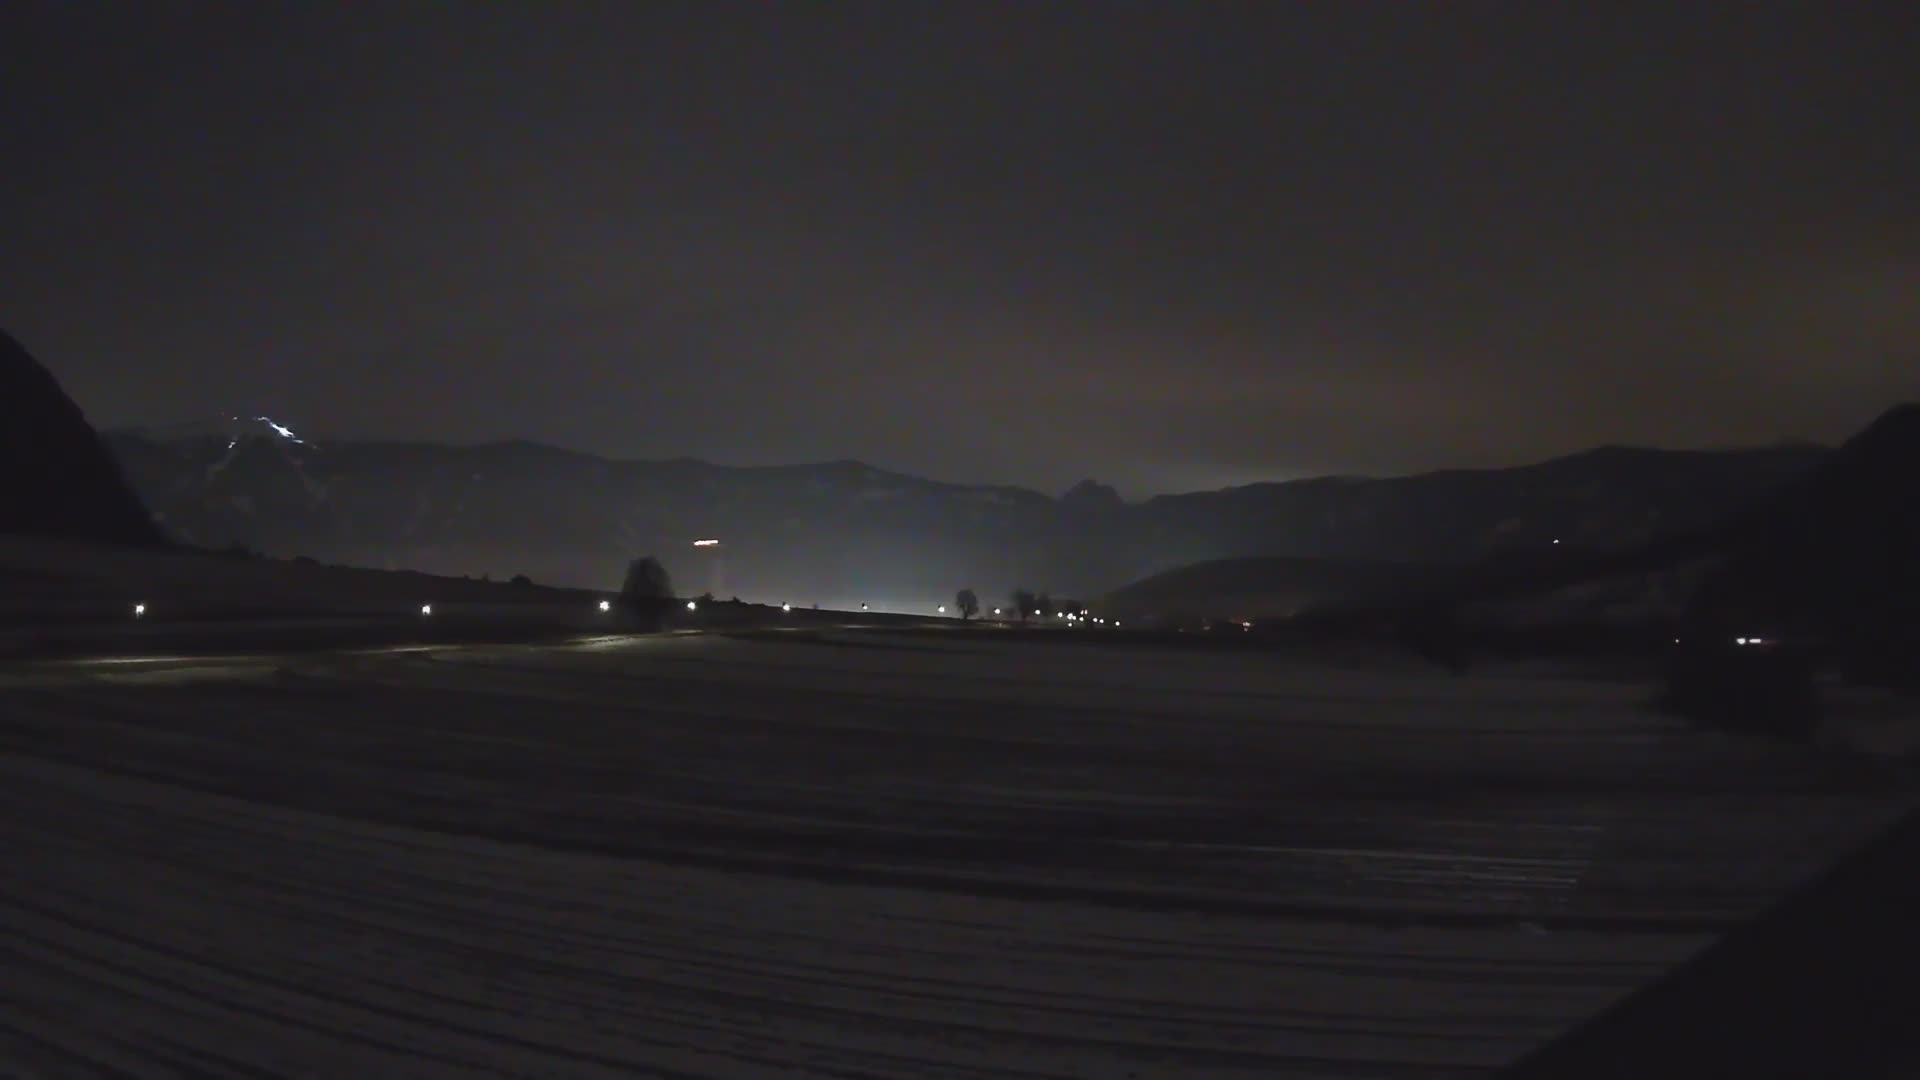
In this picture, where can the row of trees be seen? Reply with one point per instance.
(647, 595)
(1026, 604)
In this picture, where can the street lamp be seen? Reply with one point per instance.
(606, 605)
(139, 610)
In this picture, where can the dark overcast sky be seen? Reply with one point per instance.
(1172, 246)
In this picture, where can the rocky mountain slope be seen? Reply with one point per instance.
(1836, 553)
(56, 479)
(842, 533)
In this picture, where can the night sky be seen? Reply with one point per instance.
(1170, 246)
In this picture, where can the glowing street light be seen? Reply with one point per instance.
(996, 611)
(692, 605)
(139, 610)
(606, 605)
(942, 609)
(426, 609)
(706, 543)
(786, 607)
(863, 607)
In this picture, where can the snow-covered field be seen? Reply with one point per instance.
(859, 855)
(55, 582)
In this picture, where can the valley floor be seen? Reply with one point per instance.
(836, 854)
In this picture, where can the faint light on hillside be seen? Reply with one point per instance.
(280, 429)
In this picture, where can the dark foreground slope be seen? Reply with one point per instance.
(56, 477)
(1820, 986)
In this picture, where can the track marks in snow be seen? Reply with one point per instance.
(677, 861)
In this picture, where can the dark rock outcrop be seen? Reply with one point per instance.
(56, 477)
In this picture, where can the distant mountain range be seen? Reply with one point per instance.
(843, 533)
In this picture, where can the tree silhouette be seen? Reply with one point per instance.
(1024, 603)
(968, 604)
(647, 593)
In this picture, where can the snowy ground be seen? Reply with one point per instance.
(859, 855)
(58, 583)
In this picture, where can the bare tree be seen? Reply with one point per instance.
(968, 604)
